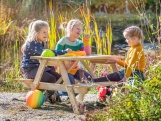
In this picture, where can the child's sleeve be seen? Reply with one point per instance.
(59, 52)
(86, 42)
(81, 46)
(86, 46)
(132, 61)
(122, 63)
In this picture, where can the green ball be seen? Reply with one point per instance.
(48, 53)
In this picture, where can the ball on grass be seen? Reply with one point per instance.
(35, 99)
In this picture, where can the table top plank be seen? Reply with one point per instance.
(91, 57)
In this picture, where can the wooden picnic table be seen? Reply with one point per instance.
(59, 61)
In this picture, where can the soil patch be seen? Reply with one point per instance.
(13, 108)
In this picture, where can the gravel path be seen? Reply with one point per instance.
(13, 108)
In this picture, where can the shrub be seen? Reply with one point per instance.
(143, 102)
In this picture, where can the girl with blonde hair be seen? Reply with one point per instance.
(73, 30)
(34, 45)
(134, 63)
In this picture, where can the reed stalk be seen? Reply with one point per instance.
(109, 37)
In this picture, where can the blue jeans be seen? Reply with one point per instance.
(138, 73)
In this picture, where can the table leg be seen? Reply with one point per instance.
(92, 66)
(69, 88)
(81, 97)
(74, 64)
(39, 74)
(87, 67)
(64, 73)
(59, 80)
(114, 67)
(73, 99)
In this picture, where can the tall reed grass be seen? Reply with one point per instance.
(13, 37)
(151, 28)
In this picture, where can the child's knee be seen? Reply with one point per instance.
(71, 78)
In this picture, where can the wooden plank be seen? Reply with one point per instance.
(81, 89)
(72, 98)
(78, 88)
(47, 86)
(59, 80)
(114, 67)
(98, 61)
(73, 65)
(22, 79)
(31, 80)
(39, 74)
(64, 73)
(52, 63)
(92, 66)
(26, 82)
(107, 83)
(89, 70)
(95, 57)
(81, 97)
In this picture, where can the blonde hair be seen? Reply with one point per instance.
(34, 28)
(134, 31)
(69, 26)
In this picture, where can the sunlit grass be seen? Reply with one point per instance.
(5, 21)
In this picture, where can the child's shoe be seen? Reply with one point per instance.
(108, 91)
(52, 96)
(101, 93)
(101, 96)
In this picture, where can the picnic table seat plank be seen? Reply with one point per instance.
(109, 83)
(81, 89)
(26, 82)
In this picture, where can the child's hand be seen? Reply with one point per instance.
(68, 50)
(86, 36)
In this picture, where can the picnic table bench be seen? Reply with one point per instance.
(59, 61)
